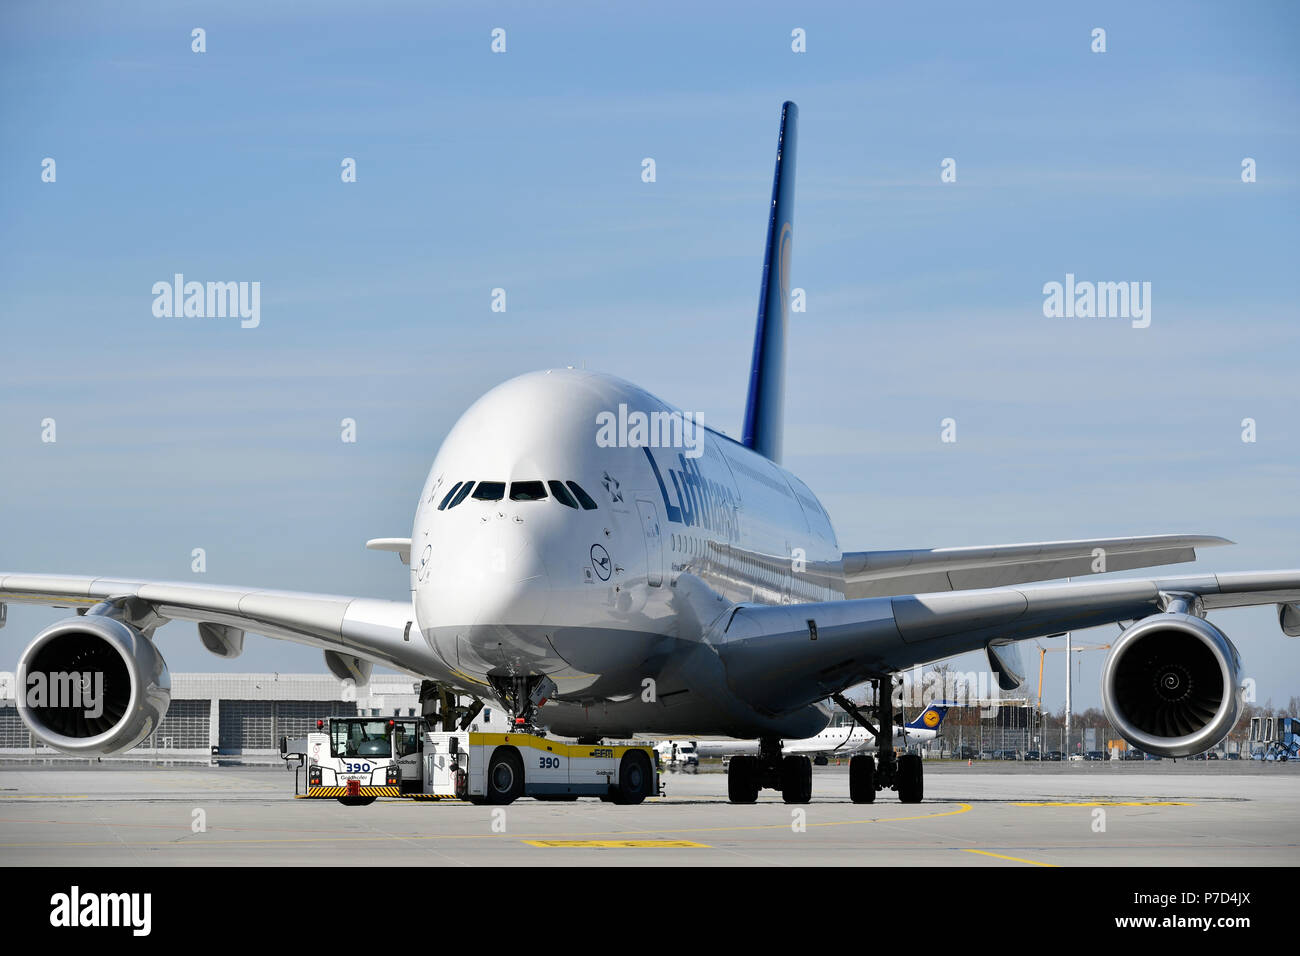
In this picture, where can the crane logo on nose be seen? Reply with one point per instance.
(600, 561)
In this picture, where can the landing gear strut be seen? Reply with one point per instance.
(748, 774)
(522, 697)
(890, 770)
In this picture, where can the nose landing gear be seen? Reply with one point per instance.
(522, 696)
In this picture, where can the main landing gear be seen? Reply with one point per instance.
(792, 775)
(894, 771)
(748, 774)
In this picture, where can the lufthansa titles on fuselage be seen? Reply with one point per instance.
(696, 500)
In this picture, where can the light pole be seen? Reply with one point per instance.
(1069, 679)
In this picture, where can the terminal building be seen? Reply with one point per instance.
(245, 714)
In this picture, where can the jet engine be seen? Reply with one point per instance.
(92, 686)
(1170, 685)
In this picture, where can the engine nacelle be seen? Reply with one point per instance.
(1170, 685)
(92, 686)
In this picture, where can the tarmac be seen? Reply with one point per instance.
(985, 815)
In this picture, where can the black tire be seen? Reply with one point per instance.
(357, 801)
(634, 777)
(821, 760)
(911, 779)
(796, 779)
(505, 777)
(862, 779)
(742, 780)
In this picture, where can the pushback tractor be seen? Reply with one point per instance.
(356, 760)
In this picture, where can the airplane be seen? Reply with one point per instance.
(598, 584)
(833, 741)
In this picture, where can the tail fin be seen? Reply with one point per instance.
(765, 409)
(930, 718)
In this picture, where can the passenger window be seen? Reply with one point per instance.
(527, 491)
(583, 498)
(489, 491)
(561, 494)
(461, 497)
(454, 488)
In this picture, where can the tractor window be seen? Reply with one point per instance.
(360, 738)
(408, 738)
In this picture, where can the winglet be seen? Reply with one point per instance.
(399, 546)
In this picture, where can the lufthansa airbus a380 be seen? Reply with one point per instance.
(601, 584)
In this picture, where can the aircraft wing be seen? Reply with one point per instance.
(882, 573)
(354, 632)
(782, 657)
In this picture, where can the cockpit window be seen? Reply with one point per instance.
(489, 491)
(454, 488)
(561, 494)
(464, 490)
(582, 496)
(527, 491)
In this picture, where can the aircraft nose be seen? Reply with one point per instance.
(493, 575)
(511, 583)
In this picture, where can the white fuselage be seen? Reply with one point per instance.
(612, 603)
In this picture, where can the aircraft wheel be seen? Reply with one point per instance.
(742, 780)
(505, 783)
(862, 779)
(911, 780)
(796, 779)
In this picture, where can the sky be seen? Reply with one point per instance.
(522, 170)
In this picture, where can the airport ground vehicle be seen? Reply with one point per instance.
(679, 755)
(356, 760)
